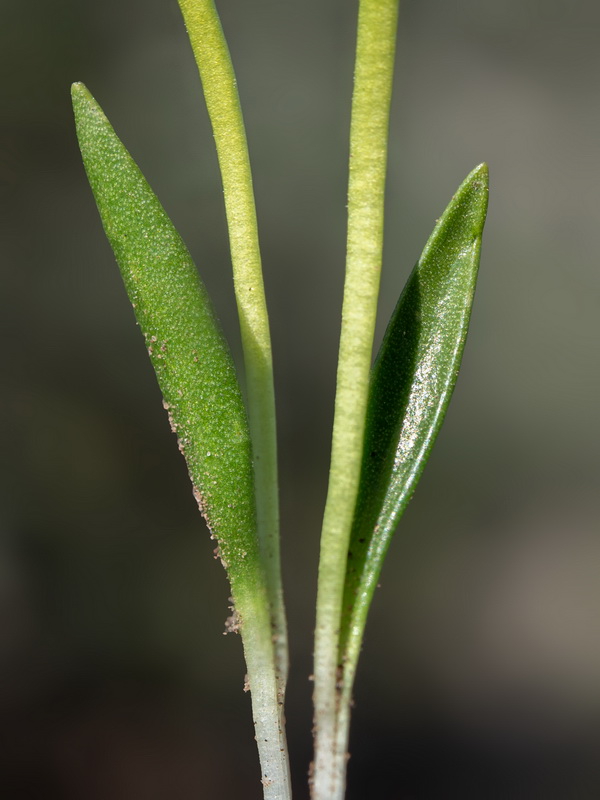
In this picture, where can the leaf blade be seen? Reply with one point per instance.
(201, 394)
(183, 338)
(411, 385)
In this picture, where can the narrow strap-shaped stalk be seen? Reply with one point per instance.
(223, 104)
(375, 52)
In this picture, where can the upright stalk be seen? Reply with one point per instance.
(375, 50)
(223, 104)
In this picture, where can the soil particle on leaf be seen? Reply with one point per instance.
(232, 623)
(172, 422)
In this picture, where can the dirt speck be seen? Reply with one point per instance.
(232, 623)
(172, 422)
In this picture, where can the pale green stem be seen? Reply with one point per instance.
(375, 51)
(222, 100)
(267, 710)
(223, 104)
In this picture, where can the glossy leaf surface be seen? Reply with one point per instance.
(411, 385)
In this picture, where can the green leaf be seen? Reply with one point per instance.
(186, 347)
(411, 385)
(201, 395)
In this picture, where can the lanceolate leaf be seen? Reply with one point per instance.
(186, 347)
(201, 395)
(411, 385)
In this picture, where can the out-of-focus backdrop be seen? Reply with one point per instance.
(480, 676)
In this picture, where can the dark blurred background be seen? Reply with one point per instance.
(481, 671)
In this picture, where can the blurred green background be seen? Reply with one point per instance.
(481, 671)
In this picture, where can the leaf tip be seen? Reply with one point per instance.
(477, 179)
(472, 194)
(481, 172)
(79, 91)
(80, 99)
(479, 183)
